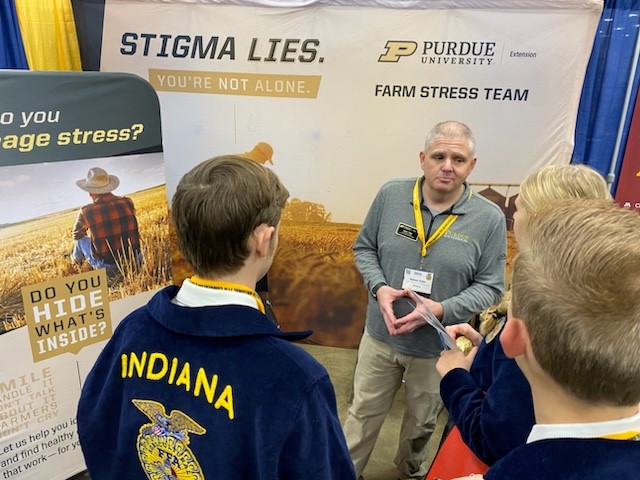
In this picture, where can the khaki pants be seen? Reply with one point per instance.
(378, 376)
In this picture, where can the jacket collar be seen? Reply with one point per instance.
(214, 321)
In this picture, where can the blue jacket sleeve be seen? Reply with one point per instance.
(316, 447)
(492, 422)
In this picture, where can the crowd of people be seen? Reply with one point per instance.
(200, 383)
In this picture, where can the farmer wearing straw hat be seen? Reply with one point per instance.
(114, 240)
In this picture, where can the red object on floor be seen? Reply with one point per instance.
(455, 459)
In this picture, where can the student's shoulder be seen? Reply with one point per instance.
(133, 328)
(299, 361)
(546, 459)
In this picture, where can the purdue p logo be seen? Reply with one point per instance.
(396, 49)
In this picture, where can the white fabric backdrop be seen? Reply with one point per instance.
(337, 147)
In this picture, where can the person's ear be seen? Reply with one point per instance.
(514, 337)
(263, 234)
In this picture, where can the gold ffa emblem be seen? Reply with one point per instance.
(163, 444)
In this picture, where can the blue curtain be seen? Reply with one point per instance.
(11, 49)
(602, 104)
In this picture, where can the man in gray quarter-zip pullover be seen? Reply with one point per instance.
(434, 236)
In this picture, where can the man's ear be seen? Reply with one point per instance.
(514, 338)
(263, 234)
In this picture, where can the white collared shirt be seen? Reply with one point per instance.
(192, 295)
(584, 430)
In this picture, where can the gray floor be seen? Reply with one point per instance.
(340, 363)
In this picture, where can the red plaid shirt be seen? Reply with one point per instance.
(113, 225)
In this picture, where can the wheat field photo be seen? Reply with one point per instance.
(37, 250)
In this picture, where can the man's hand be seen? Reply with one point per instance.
(409, 323)
(386, 295)
(414, 320)
(450, 359)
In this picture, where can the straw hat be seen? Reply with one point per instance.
(98, 181)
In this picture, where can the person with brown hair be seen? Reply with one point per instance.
(199, 383)
(485, 393)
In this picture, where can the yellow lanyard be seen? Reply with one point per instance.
(229, 287)
(442, 229)
(630, 435)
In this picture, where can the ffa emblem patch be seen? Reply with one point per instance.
(163, 444)
(496, 330)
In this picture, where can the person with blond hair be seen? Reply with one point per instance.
(574, 331)
(485, 393)
(199, 383)
(549, 184)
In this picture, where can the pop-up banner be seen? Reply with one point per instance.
(56, 314)
(337, 98)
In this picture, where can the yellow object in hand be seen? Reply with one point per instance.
(464, 344)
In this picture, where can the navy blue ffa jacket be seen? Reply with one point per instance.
(571, 459)
(491, 404)
(209, 393)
